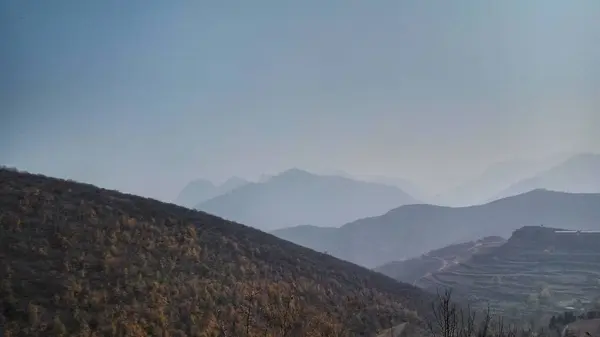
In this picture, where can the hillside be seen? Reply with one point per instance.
(80, 260)
(412, 270)
(412, 230)
(200, 190)
(578, 174)
(536, 271)
(297, 197)
(583, 328)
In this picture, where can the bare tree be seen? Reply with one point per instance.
(451, 320)
(467, 322)
(484, 326)
(444, 322)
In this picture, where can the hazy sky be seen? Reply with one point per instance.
(144, 95)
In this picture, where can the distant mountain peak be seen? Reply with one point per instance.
(294, 172)
(576, 174)
(233, 182)
(199, 190)
(293, 175)
(297, 196)
(200, 181)
(233, 179)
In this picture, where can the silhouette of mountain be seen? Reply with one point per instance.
(481, 188)
(80, 260)
(264, 177)
(539, 270)
(494, 179)
(231, 184)
(487, 186)
(405, 185)
(299, 197)
(201, 190)
(411, 230)
(578, 174)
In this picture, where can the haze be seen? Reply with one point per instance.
(145, 96)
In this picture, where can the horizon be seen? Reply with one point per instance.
(265, 177)
(145, 96)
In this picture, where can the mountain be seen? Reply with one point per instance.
(297, 197)
(201, 190)
(485, 187)
(578, 174)
(231, 184)
(78, 260)
(412, 270)
(405, 185)
(264, 177)
(538, 270)
(411, 230)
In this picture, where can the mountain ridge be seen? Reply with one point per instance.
(576, 174)
(297, 196)
(497, 177)
(412, 230)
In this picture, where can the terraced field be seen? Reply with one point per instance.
(536, 270)
(412, 270)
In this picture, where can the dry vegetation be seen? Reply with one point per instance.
(77, 260)
(448, 319)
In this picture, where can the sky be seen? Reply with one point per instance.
(145, 95)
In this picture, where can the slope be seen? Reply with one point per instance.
(538, 270)
(297, 197)
(80, 260)
(412, 230)
(578, 174)
(200, 190)
(412, 270)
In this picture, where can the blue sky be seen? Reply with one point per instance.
(146, 95)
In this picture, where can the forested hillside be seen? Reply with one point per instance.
(78, 260)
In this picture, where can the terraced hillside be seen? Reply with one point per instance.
(412, 270)
(538, 270)
(77, 260)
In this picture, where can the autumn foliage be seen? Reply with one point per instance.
(77, 260)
